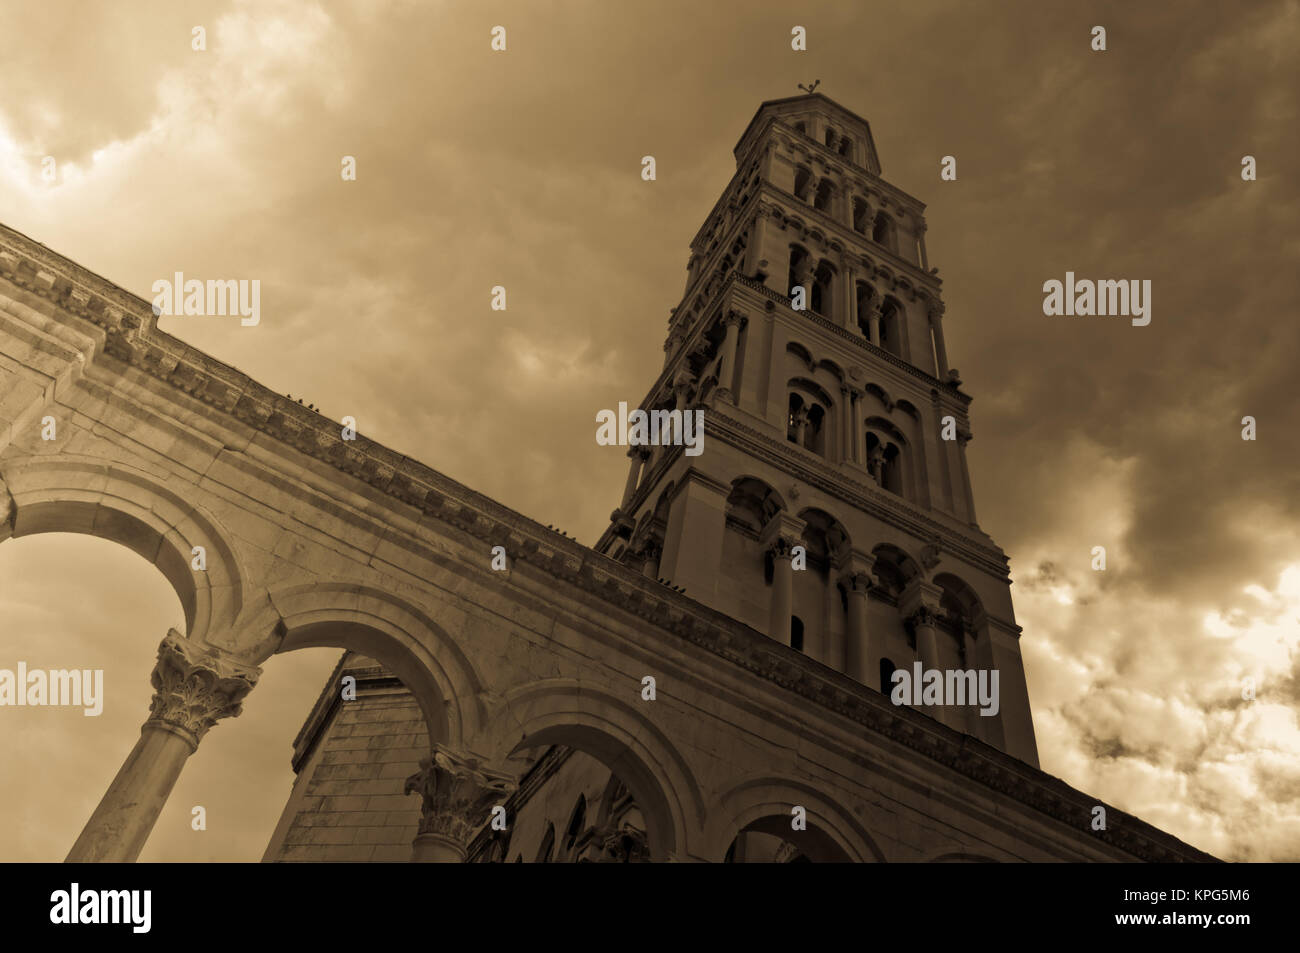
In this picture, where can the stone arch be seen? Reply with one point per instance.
(764, 803)
(614, 731)
(961, 596)
(802, 353)
(752, 501)
(894, 567)
(93, 497)
(399, 635)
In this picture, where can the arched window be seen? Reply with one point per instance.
(803, 183)
(846, 147)
(884, 233)
(545, 852)
(815, 434)
(577, 821)
(860, 212)
(799, 261)
(830, 137)
(891, 476)
(796, 633)
(866, 297)
(806, 423)
(825, 194)
(891, 327)
(823, 283)
(801, 128)
(886, 676)
(885, 460)
(796, 419)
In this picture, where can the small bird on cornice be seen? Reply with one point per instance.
(809, 89)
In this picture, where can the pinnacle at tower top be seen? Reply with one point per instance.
(810, 332)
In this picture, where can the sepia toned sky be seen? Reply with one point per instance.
(522, 169)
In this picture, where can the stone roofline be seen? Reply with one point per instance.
(133, 338)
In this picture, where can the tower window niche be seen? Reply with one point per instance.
(884, 233)
(806, 423)
(886, 675)
(823, 282)
(796, 633)
(825, 194)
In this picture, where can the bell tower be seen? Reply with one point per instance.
(830, 506)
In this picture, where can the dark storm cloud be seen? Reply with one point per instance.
(522, 169)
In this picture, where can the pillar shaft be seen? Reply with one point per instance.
(125, 816)
(782, 592)
(637, 457)
(730, 345)
(194, 687)
(856, 649)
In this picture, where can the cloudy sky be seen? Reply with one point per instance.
(522, 169)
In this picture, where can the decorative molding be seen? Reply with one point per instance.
(456, 793)
(195, 687)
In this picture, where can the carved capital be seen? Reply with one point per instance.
(923, 616)
(195, 687)
(456, 794)
(781, 547)
(733, 317)
(857, 581)
(610, 845)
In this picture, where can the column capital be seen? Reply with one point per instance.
(935, 310)
(456, 792)
(195, 687)
(781, 534)
(733, 317)
(920, 599)
(638, 450)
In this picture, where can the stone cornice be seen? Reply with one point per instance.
(137, 342)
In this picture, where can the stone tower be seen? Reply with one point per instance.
(831, 505)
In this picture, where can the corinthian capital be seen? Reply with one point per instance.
(923, 616)
(456, 793)
(196, 687)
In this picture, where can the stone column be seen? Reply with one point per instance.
(194, 687)
(920, 609)
(859, 442)
(650, 553)
(940, 352)
(730, 346)
(873, 322)
(756, 263)
(964, 438)
(670, 347)
(859, 651)
(457, 794)
(920, 246)
(847, 418)
(780, 536)
(638, 457)
(850, 321)
(782, 590)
